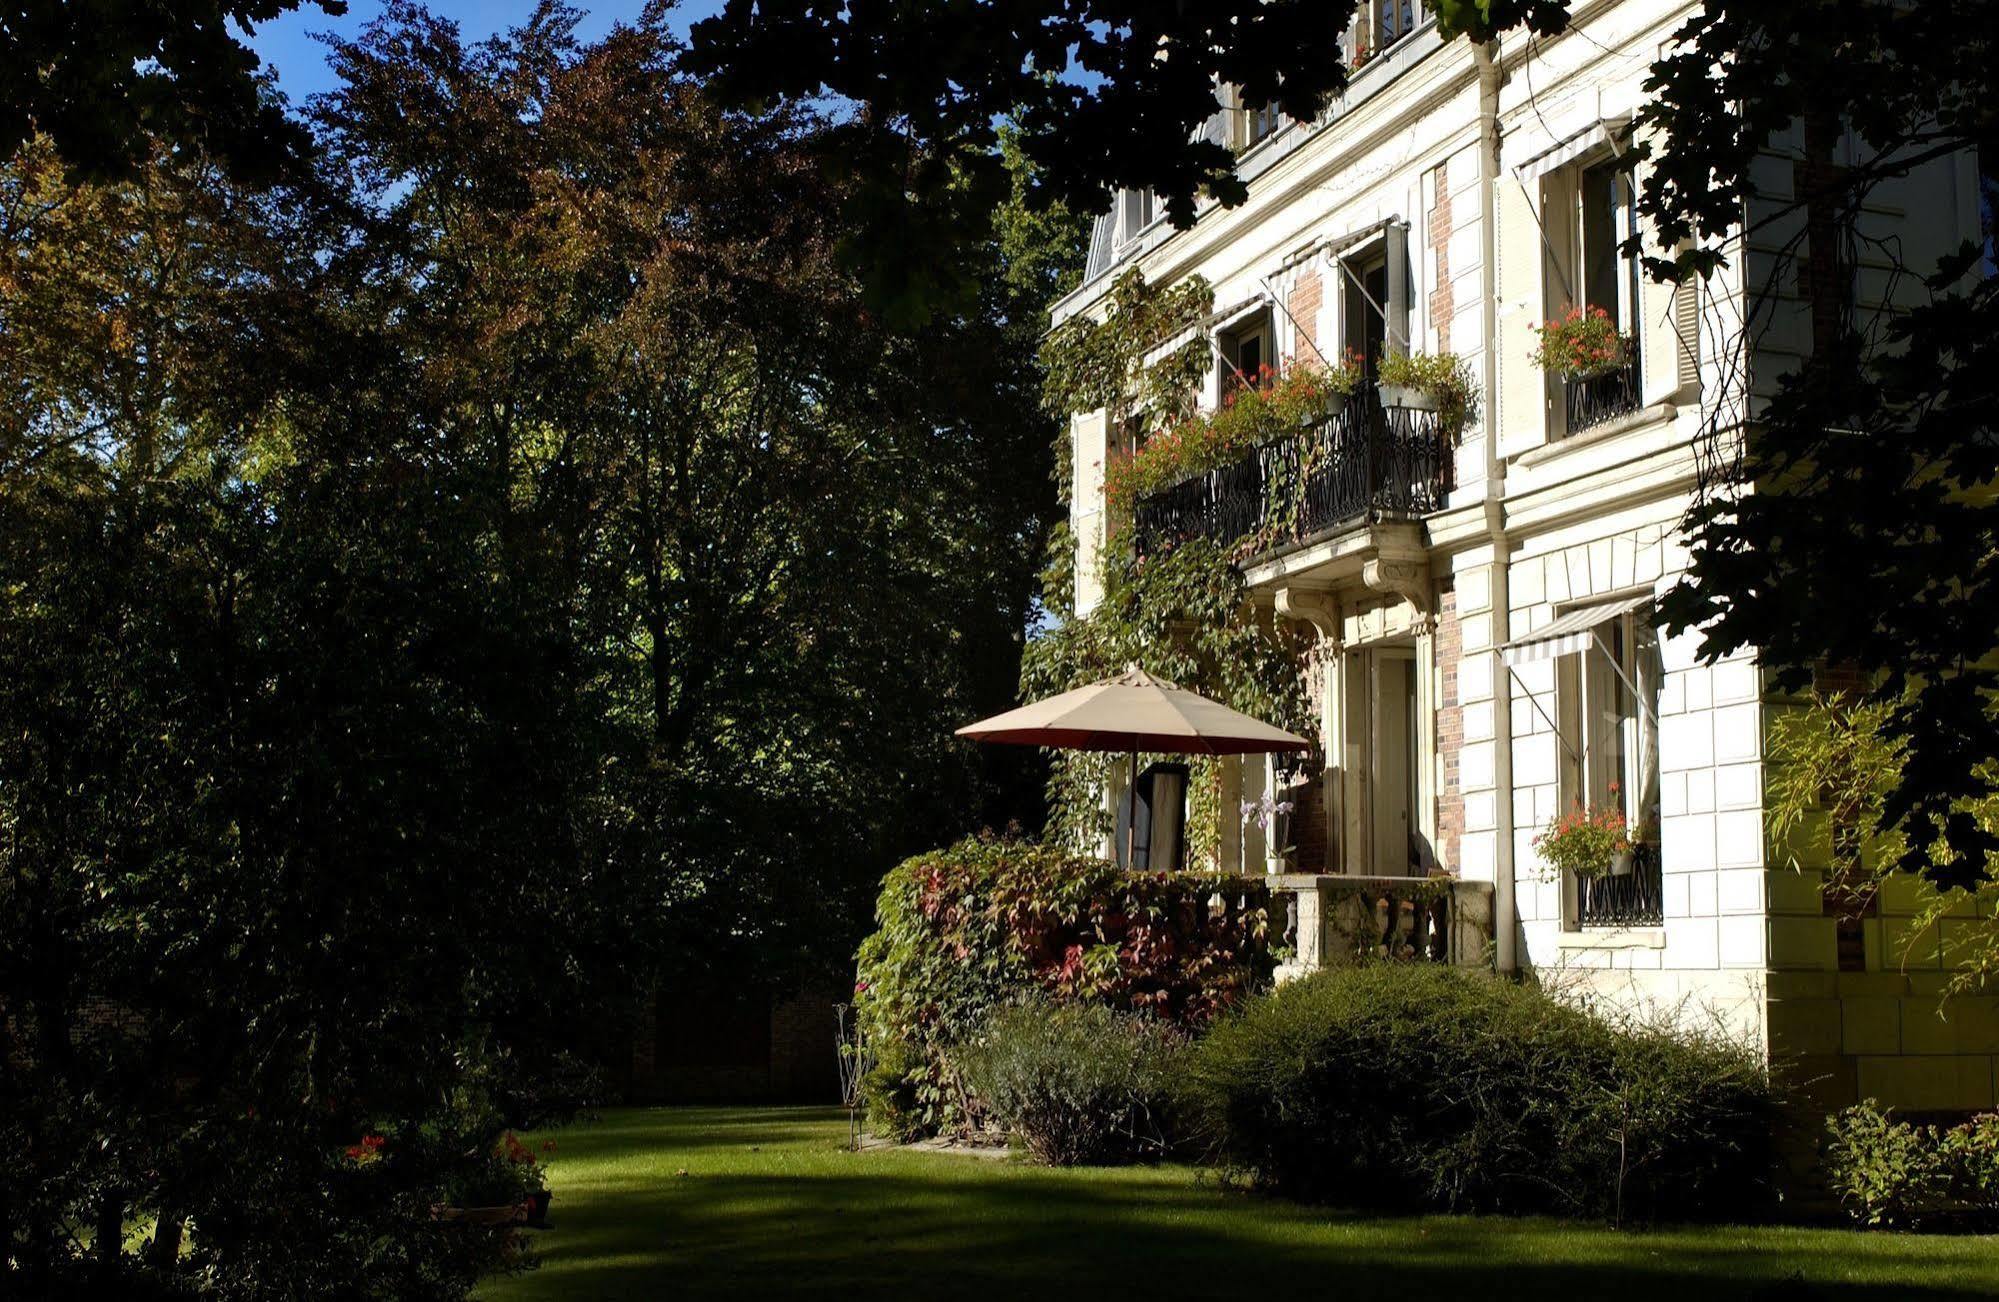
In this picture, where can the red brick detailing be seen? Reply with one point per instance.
(1450, 727)
(1441, 301)
(1307, 293)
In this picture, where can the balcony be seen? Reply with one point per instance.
(1364, 464)
(1592, 400)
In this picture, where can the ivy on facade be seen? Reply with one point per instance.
(1185, 614)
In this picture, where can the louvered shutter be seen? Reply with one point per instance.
(1522, 406)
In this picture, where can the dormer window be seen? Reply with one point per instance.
(1259, 124)
(1134, 214)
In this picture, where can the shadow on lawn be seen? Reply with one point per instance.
(812, 1222)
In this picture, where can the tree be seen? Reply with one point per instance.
(796, 545)
(1853, 524)
(106, 81)
(441, 594)
(929, 85)
(288, 773)
(1867, 540)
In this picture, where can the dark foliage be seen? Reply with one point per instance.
(108, 80)
(441, 598)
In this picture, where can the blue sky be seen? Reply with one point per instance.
(287, 43)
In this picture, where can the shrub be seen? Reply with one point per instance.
(1074, 1083)
(966, 931)
(1891, 1173)
(1417, 1086)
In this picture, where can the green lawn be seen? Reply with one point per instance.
(760, 1203)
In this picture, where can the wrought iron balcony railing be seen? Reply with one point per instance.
(1598, 398)
(1633, 900)
(1365, 463)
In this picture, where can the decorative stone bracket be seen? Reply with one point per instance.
(1407, 579)
(1309, 606)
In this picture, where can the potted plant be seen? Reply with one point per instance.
(1582, 344)
(508, 1187)
(1273, 816)
(1439, 382)
(1588, 843)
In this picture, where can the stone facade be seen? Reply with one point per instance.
(1461, 196)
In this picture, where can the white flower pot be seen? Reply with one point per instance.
(1622, 862)
(1401, 395)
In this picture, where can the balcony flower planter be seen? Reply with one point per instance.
(1407, 397)
(1587, 844)
(1582, 345)
(1622, 863)
(1430, 382)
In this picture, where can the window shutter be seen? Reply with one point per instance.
(1661, 351)
(1665, 340)
(1522, 406)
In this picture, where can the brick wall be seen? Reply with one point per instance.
(1308, 292)
(1450, 727)
(1442, 304)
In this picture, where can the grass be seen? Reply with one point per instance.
(700, 1203)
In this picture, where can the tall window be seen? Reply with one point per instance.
(1607, 277)
(1259, 124)
(1393, 20)
(1365, 282)
(1607, 701)
(1134, 213)
(1246, 354)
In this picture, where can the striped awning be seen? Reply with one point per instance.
(1572, 632)
(1592, 137)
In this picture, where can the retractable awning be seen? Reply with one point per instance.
(1575, 631)
(1605, 132)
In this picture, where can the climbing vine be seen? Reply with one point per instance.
(1184, 615)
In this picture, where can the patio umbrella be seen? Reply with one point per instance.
(1133, 712)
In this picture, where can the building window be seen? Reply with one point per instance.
(1607, 715)
(1593, 271)
(1605, 219)
(1259, 124)
(1364, 323)
(1247, 359)
(1393, 20)
(1135, 212)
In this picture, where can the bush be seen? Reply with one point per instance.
(1418, 1086)
(1891, 1173)
(967, 931)
(1074, 1084)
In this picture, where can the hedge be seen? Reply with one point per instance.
(986, 924)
